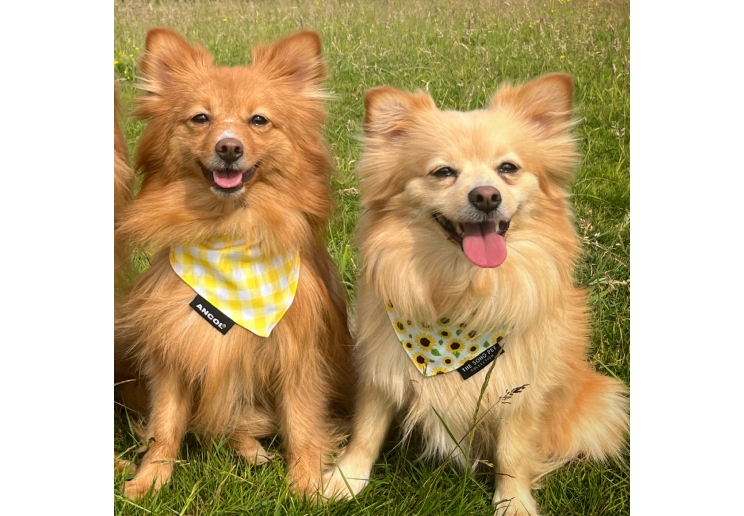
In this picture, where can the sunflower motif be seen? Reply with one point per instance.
(389, 306)
(444, 320)
(426, 325)
(420, 360)
(425, 341)
(448, 361)
(473, 335)
(399, 325)
(408, 345)
(445, 333)
(455, 346)
(472, 348)
(438, 370)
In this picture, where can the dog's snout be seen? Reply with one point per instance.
(229, 149)
(485, 198)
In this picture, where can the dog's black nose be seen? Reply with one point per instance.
(485, 198)
(229, 149)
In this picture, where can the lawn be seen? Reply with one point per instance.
(459, 51)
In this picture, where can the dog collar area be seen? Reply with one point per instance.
(443, 346)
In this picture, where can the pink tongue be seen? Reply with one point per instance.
(482, 245)
(227, 179)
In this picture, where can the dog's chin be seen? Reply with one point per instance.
(228, 183)
(481, 242)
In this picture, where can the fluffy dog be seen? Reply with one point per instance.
(468, 254)
(234, 165)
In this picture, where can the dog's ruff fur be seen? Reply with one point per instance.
(566, 409)
(239, 386)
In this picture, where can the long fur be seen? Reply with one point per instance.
(558, 407)
(126, 381)
(123, 188)
(238, 385)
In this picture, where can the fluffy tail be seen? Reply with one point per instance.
(590, 418)
(123, 191)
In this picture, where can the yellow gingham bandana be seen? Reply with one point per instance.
(253, 289)
(442, 347)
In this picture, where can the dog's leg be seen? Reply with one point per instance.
(171, 407)
(588, 417)
(374, 413)
(515, 464)
(303, 421)
(258, 423)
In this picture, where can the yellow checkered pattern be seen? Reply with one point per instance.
(253, 289)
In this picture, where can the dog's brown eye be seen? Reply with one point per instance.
(258, 120)
(508, 168)
(201, 118)
(444, 172)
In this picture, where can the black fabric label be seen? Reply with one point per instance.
(473, 366)
(217, 319)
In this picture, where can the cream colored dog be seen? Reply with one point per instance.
(466, 220)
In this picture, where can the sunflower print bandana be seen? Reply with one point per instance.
(442, 347)
(253, 289)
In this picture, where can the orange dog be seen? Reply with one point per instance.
(235, 192)
(466, 306)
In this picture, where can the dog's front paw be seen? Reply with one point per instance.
(139, 486)
(514, 505)
(304, 483)
(338, 485)
(152, 475)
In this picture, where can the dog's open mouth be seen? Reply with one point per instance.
(482, 242)
(227, 180)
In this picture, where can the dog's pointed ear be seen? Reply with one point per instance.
(390, 113)
(167, 55)
(546, 101)
(297, 57)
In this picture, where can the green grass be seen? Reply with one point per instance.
(459, 51)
